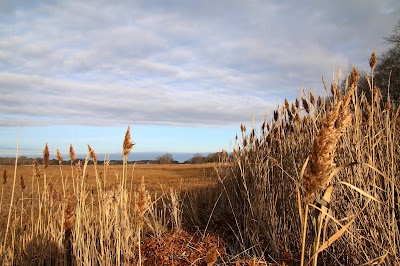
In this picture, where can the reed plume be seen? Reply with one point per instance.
(36, 168)
(92, 154)
(127, 143)
(59, 157)
(312, 98)
(305, 105)
(22, 182)
(141, 206)
(287, 105)
(372, 60)
(46, 156)
(323, 152)
(71, 153)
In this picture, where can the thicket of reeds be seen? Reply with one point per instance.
(322, 174)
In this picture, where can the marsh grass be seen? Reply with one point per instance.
(274, 187)
(61, 223)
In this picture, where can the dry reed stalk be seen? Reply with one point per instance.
(60, 160)
(72, 157)
(23, 186)
(46, 158)
(12, 191)
(127, 147)
(211, 256)
(141, 206)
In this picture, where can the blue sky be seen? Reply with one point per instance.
(183, 74)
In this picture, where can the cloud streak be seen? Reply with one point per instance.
(177, 63)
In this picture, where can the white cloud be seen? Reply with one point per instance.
(176, 63)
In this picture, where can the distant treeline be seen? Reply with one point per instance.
(164, 159)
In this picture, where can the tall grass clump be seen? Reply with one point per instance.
(66, 222)
(318, 182)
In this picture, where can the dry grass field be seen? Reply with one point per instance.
(158, 179)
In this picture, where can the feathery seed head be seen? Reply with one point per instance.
(297, 103)
(305, 105)
(71, 153)
(323, 152)
(372, 60)
(127, 145)
(294, 109)
(319, 102)
(312, 99)
(287, 105)
(22, 182)
(354, 77)
(59, 157)
(36, 168)
(46, 156)
(92, 154)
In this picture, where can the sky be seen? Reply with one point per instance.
(183, 74)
